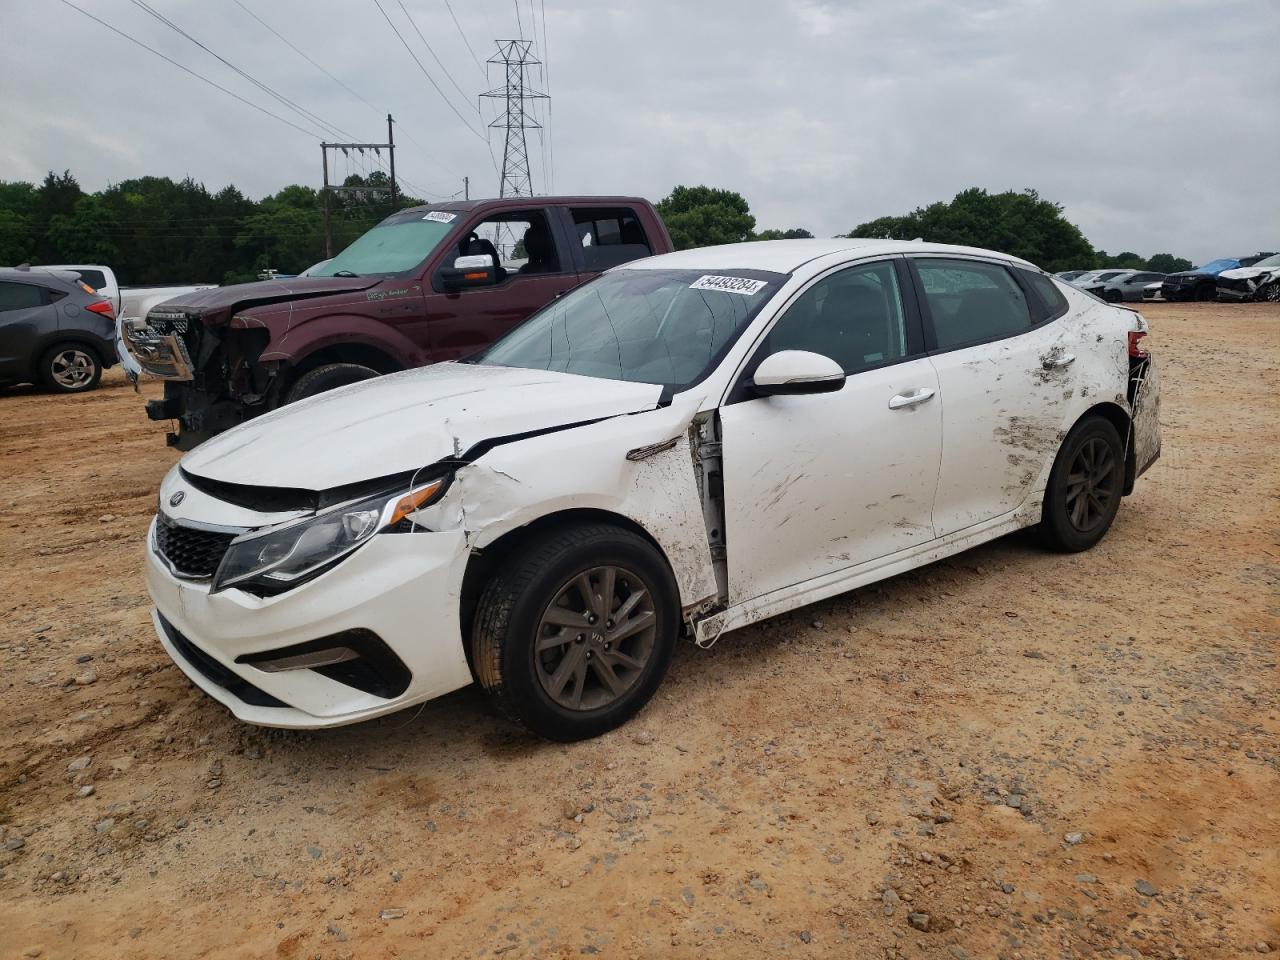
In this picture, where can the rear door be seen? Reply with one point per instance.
(1004, 359)
(535, 267)
(27, 317)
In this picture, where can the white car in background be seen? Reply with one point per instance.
(688, 443)
(1258, 282)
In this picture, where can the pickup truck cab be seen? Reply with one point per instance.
(431, 283)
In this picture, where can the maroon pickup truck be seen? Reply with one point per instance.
(427, 284)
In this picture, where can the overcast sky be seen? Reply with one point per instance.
(1155, 123)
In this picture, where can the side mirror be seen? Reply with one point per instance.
(477, 270)
(791, 372)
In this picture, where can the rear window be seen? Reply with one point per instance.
(1046, 300)
(94, 278)
(20, 296)
(609, 236)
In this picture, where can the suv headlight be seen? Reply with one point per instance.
(282, 557)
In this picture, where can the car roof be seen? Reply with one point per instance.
(785, 256)
(522, 203)
(38, 275)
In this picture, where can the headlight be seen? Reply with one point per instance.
(285, 556)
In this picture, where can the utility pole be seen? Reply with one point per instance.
(466, 188)
(515, 57)
(377, 148)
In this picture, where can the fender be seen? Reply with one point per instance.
(291, 344)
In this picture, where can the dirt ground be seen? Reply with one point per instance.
(1008, 754)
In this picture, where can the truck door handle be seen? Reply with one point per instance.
(910, 399)
(1057, 360)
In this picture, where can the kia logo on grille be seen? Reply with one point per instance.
(177, 498)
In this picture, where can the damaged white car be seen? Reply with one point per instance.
(685, 445)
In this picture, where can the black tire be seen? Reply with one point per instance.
(1270, 293)
(511, 622)
(1206, 293)
(1066, 523)
(328, 377)
(70, 368)
(1112, 296)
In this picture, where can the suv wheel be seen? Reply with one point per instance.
(328, 377)
(575, 632)
(70, 368)
(1206, 292)
(1085, 486)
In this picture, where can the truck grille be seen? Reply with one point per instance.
(190, 552)
(165, 345)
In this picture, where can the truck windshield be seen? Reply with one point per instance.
(668, 327)
(393, 246)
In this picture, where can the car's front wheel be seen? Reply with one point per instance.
(1270, 293)
(1085, 486)
(328, 377)
(575, 632)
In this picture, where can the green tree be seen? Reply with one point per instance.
(1128, 260)
(1019, 223)
(702, 216)
(286, 234)
(1168, 263)
(56, 196)
(795, 233)
(17, 238)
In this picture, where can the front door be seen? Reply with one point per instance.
(816, 484)
(1006, 376)
(533, 269)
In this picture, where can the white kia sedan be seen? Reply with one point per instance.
(685, 445)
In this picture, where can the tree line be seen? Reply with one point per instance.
(153, 230)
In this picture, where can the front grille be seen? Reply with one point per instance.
(215, 672)
(191, 552)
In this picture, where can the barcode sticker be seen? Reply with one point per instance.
(741, 285)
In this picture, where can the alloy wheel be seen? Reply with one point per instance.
(595, 638)
(1091, 485)
(72, 368)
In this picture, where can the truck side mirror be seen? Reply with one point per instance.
(477, 270)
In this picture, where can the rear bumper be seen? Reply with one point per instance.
(402, 588)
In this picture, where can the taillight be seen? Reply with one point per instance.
(1136, 350)
(104, 307)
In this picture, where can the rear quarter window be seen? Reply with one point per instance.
(1046, 300)
(94, 278)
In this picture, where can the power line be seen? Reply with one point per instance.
(546, 73)
(185, 69)
(519, 22)
(440, 63)
(462, 33)
(302, 111)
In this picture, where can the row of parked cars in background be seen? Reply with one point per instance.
(1255, 277)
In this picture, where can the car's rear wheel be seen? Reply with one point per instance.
(1085, 486)
(574, 633)
(70, 368)
(328, 377)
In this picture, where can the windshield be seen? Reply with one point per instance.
(399, 243)
(1217, 266)
(1272, 261)
(668, 327)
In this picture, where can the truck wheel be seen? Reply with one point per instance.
(70, 368)
(574, 633)
(328, 377)
(1085, 487)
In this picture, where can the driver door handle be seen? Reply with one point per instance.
(910, 399)
(1057, 360)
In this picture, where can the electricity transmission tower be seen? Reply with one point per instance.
(516, 57)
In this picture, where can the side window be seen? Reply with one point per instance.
(609, 236)
(1047, 301)
(20, 296)
(970, 301)
(94, 278)
(520, 242)
(855, 317)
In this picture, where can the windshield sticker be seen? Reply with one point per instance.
(748, 288)
(441, 216)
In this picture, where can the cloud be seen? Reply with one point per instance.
(1153, 123)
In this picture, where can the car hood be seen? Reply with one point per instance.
(221, 301)
(404, 421)
(1246, 273)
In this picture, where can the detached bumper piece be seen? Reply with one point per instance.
(359, 658)
(215, 672)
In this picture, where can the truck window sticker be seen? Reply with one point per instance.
(440, 216)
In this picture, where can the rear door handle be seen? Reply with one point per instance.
(910, 399)
(1057, 360)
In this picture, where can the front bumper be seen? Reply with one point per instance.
(403, 587)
